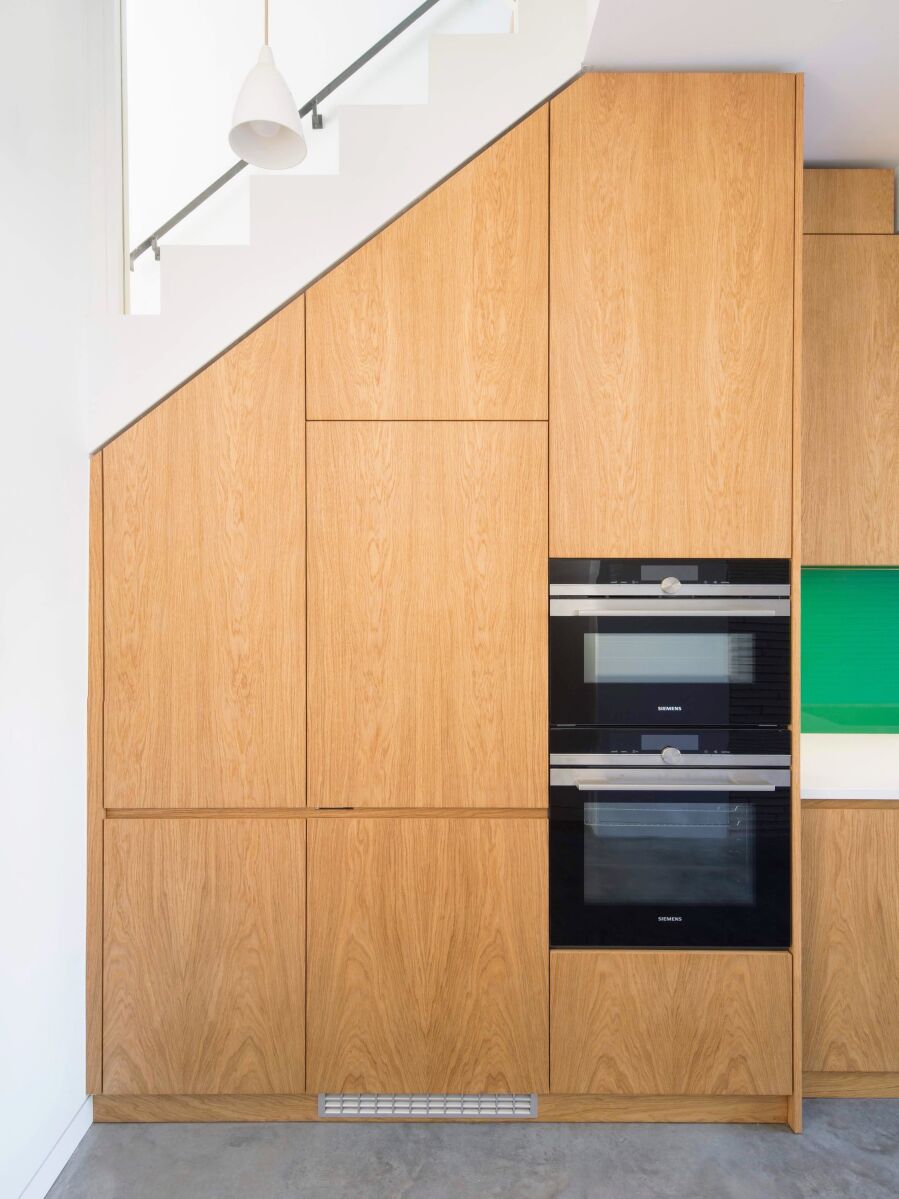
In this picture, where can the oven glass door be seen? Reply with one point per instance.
(711, 670)
(678, 867)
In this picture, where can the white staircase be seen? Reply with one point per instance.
(301, 225)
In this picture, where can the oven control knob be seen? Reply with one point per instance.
(670, 754)
(671, 585)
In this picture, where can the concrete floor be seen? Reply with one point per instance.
(850, 1150)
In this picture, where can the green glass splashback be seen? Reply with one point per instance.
(850, 650)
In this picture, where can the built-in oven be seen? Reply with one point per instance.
(675, 839)
(669, 642)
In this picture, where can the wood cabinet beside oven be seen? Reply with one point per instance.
(639, 1022)
(204, 956)
(443, 315)
(850, 883)
(427, 637)
(850, 406)
(671, 315)
(428, 953)
(204, 587)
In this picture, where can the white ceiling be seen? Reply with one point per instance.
(848, 50)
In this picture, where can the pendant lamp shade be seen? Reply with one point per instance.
(266, 130)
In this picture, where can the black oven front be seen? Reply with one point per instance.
(668, 643)
(684, 844)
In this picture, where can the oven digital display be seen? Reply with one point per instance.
(653, 743)
(686, 572)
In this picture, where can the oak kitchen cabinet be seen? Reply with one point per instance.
(428, 954)
(671, 1023)
(204, 956)
(427, 630)
(671, 316)
(850, 406)
(251, 946)
(848, 200)
(204, 565)
(443, 315)
(850, 942)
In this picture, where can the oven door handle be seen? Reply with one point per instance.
(672, 779)
(668, 607)
(603, 785)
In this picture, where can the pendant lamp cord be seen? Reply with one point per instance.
(266, 22)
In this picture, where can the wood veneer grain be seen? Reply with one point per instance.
(665, 1109)
(427, 633)
(204, 957)
(94, 911)
(671, 341)
(443, 315)
(850, 411)
(204, 542)
(428, 955)
(325, 813)
(851, 939)
(849, 200)
(794, 1114)
(552, 1109)
(670, 1023)
(204, 1109)
(852, 1084)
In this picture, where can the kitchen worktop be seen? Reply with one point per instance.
(850, 766)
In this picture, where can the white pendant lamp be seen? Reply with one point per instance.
(265, 129)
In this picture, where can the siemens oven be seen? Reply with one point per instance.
(669, 642)
(674, 840)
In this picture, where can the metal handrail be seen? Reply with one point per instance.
(152, 242)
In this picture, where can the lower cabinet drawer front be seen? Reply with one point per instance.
(850, 939)
(637, 1022)
(203, 945)
(428, 959)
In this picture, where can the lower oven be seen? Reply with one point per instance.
(679, 840)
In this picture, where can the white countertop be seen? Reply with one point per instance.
(849, 766)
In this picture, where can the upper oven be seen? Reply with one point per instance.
(641, 642)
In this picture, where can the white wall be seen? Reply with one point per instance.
(43, 584)
(478, 85)
(177, 135)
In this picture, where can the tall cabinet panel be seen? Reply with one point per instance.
(427, 614)
(204, 947)
(204, 587)
(443, 315)
(850, 940)
(671, 317)
(850, 406)
(428, 954)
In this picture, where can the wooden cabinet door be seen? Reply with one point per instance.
(848, 200)
(850, 401)
(204, 931)
(428, 947)
(443, 315)
(204, 587)
(850, 939)
(671, 315)
(671, 1023)
(427, 581)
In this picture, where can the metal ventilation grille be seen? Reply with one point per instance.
(422, 1107)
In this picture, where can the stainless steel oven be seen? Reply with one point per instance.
(674, 839)
(669, 642)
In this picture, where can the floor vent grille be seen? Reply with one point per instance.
(427, 1107)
